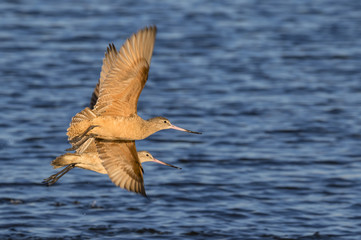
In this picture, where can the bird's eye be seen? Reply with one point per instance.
(147, 155)
(165, 121)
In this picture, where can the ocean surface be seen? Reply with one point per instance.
(275, 87)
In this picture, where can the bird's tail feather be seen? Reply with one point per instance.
(80, 122)
(85, 114)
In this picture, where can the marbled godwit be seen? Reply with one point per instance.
(115, 98)
(133, 180)
(118, 159)
(114, 116)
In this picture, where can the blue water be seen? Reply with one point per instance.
(275, 87)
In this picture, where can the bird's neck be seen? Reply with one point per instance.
(150, 127)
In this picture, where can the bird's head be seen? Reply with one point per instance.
(145, 156)
(162, 123)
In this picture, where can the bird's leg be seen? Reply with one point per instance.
(85, 146)
(55, 177)
(80, 137)
(79, 143)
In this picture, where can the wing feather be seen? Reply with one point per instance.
(121, 161)
(125, 73)
(108, 62)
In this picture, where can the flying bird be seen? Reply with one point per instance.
(117, 165)
(116, 95)
(103, 134)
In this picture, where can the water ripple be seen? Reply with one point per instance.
(273, 86)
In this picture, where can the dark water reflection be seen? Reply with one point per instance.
(274, 86)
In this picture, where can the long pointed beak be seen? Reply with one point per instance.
(167, 164)
(182, 129)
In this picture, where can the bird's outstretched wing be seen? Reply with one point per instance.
(121, 161)
(124, 75)
(108, 60)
